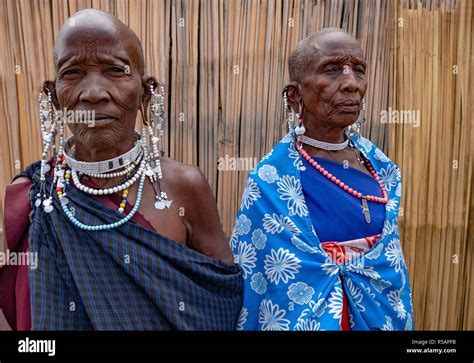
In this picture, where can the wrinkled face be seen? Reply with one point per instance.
(98, 69)
(335, 82)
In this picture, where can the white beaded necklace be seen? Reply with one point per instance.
(112, 190)
(323, 145)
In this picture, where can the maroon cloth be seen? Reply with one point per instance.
(14, 287)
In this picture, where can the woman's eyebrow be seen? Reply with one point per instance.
(343, 59)
(71, 60)
(80, 58)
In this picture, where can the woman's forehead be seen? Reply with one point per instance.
(101, 43)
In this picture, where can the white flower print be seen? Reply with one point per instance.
(294, 154)
(392, 205)
(395, 300)
(233, 239)
(268, 155)
(365, 144)
(290, 190)
(307, 324)
(259, 238)
(268, 173)
(394, 254)
(258, 283)
(398, 191)
(335, 303)
(272, 317)
(299, 244)
(380, 284)
(246, 257)
(388, 324)
(250, 195)
(330, 268)
(242, 225)
(319, 306)
(281, 265)
(389, 176)
(375, 252)
(379, 155)
(388, 227)
(371, 294)
(276, 224)
(364, 270)
(300, 293)
(355, 293)
(239, 325)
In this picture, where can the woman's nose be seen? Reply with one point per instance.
(349, 81)
(94, 91)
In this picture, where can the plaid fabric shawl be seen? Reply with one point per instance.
(127, 278)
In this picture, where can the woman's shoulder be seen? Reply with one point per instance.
(182, 175)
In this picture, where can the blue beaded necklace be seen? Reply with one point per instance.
(66, 182)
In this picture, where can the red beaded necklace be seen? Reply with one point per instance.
(348, 189)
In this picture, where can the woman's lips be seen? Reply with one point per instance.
(349, 106)
(101, 122)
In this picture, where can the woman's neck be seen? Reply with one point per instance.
(84, 153)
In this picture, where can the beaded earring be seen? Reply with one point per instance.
(50, 124)
(299, 129)
(354, 129)
(289, 116)
(154, 132)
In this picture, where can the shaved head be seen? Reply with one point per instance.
(97, 23)
(100, 67)
(310, 49)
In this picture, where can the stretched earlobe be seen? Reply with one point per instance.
(293, 94)
(50, 87)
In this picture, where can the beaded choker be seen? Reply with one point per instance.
(105, 166)
(323, 145)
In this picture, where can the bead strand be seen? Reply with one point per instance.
(345, 187)
(115, 189)
(124, 220)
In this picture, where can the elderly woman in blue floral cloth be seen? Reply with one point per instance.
(316, 234)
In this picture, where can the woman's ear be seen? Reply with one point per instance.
(50, 86)
(293, 93)
(147, 81)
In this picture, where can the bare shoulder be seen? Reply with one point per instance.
(182, 176)
(191, 187)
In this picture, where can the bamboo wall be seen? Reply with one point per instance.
(224, 64)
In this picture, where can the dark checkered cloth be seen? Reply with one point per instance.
(127, 278)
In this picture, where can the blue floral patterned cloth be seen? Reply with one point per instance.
(290, 283)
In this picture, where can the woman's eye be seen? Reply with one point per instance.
(116, 70)
(70, 71)
(330, 69)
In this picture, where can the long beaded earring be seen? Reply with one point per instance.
(155, 132)
(289, 116)
(48, 122)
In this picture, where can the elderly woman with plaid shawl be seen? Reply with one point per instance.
(125, 239)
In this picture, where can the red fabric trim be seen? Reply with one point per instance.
(345, 323)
